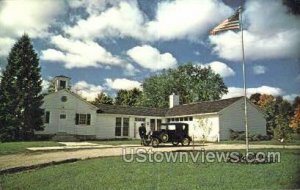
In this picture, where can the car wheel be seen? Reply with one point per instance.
(175, 143)
(164, 137)
(155, 142)
(186, 142)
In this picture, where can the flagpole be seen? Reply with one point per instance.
(244, 79)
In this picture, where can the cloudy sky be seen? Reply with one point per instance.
(107, 45)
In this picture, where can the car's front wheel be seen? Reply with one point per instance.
(155, 142)
(186, 142)
(164, 137)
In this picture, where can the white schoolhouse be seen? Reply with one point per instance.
(68, 113)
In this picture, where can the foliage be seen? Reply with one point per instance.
(254, 98)
(191, 82)
(128, 97)
(240, 135)
(295, 120)
(282, 129)
(20, 93)
(293, 6)
(102, 98)
(278, 112)
(206, 127)
(296, 102)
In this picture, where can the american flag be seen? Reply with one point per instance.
(231, 23)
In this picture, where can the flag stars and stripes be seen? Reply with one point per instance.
(231, 23)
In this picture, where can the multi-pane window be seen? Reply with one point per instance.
(158, 124)
(47, 117)
(140, 119)
(62, 116)
(152, 124)
(180, 119)
(83, 119)
(122, 127)
(118, 126)
(125, 126)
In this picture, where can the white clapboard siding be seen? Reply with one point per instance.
(207, 125)
(73, 105)
(196, 127)
(232, 117)
(105, 127)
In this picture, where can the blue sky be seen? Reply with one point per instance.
(107, 45)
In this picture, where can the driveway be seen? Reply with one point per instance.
(38, 158)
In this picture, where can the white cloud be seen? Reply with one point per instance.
(264, 38)
(290, 97)
(235, 91)
(86, 90)
(130, 70)
(92, 6)
(220, 68)
(6, 44)
(45, 85)
(187, 19)
(149, 57)
(177, 19)
(77, 53)
(122, 83)
(123, 19)
(30, 16)
(259, 69)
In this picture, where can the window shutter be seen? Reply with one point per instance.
(77, 119)
(88, 119)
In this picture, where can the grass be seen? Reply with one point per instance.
(113, 173)
(20, 147)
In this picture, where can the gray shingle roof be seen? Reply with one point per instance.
(139, 111)
(201, 107)
(187, 109)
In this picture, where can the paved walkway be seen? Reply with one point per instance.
(36, 158)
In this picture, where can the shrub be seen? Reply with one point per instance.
(240, 135)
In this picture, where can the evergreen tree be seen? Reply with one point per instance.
(20, 93)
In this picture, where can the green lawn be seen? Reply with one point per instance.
(19, 147)
(113, 173)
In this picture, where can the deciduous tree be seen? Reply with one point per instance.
(192, 82)
(128, 97)
(102, 98)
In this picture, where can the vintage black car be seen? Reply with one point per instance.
(174, 133)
